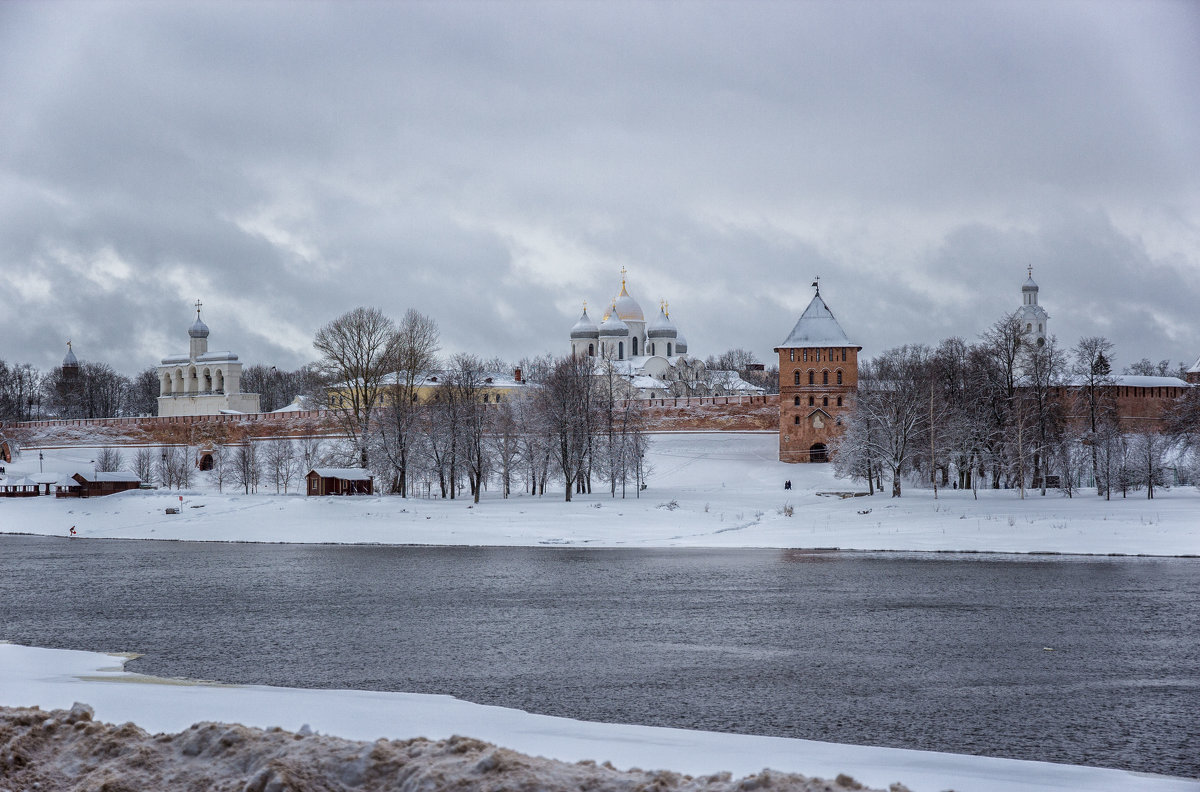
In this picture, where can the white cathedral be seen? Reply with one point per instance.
(202, 382)
(652, 358)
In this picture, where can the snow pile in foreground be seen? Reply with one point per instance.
(66, 749)
(54, 678)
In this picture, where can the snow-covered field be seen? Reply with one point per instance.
(720, 489)
(57, 678)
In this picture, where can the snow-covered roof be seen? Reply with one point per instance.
(585, 327)
(116, 475)
(295, 406)
(643, 382)
(1140, 381)
(1195, 369)
(817, 328)
(24, 481)
(1134, 381)
(613, 326)
(662, 326)
(346, 474)
(207, 357)
(731, 380)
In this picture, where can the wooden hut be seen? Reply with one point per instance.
(94, 485)
(340, 481)
(23, 487)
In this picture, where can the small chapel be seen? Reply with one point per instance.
(818, 376)
(202, 382)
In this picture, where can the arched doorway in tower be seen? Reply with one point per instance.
(818, 453)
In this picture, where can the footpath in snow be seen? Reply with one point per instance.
(721, 489)
(56, 679)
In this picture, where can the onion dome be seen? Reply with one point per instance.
(198, 328)
(662, 327)
(585, 327)
(1030, 286)
(612, 326)
(70, 361)
(680, 344)
(626, 307)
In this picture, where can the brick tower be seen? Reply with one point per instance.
(818, 376)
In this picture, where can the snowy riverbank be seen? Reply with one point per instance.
(58, 678)
(706, 490)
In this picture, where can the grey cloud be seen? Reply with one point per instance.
(299, 160)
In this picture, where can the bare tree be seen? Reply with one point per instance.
(414, 349)
(1093, 381)
(280, 462)
(895, 408)
(566, 402)
(311, 452)
(356, 351)
(1147, 450)
(109, 460)
(143, 464)
(246, 467)
(466, 379)
(221, 466)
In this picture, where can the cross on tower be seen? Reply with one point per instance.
(198, 304)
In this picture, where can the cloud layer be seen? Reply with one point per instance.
(494, 164)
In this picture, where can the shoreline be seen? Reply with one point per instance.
(589, 546)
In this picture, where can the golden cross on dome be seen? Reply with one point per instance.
(198, 304)
(1030, 270)
(585, 306)
(667, 309)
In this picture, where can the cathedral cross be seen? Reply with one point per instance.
(198, 304)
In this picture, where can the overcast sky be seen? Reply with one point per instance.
(494, 164)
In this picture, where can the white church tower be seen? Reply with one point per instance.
(202, 382)
(1033, 317)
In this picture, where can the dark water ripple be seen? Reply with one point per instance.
(1083, 660)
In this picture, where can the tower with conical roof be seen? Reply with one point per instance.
(818, 376)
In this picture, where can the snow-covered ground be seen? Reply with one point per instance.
(57, 678)
(721, 489)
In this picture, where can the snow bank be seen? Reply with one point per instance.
(55, 679)
(66, 749)
(721, 489)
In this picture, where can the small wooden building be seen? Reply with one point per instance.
(23, 487)
(94, 485)
(340, 481)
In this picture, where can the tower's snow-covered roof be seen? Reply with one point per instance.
(613, 326)
(1030, 285)
(585, 327)
(70, 360)
(1195, 369)
(662, 326)
(817, 327)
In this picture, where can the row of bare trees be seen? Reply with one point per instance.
(1005, 413)
(93, 390)
(439, 426)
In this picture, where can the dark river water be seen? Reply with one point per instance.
(1083, 660)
